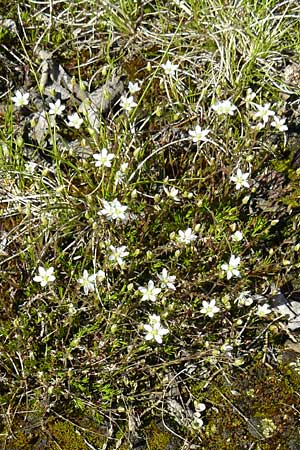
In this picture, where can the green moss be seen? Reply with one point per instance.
(157, 439)
(57, 433)
(21, 440)
(65, 434)
(252, 407)
(290, 168)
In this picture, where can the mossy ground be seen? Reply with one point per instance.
(66, 435)
(257, 405)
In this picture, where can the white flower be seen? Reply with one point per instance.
(225, 107)
(21, 99)
(104, 158)
(30, 167)
(117, 254)
(209, 308)
(120, 174)
(258, 126)
(71, 309)
(186, 237)
(199, 407)
(231, 268)
(154, 319)
(45, 276)
(244, 299)
(150, 292)
(263, 112)
(75, 121)
(263, 310)
(250, 96)
(88, 282)
(127, 103)
(3, 242)
(155, 331)
(124, 167)
(113, 210)
(181, 4)
(198, 134)
(166, 281)
(240, 179)
(100, 275)
(279, 124)
(170, 68)
(133, 87)
(172, 193)
(237, 236)
(56, 108)
(197, 422)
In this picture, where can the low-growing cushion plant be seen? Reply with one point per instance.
(141, 252)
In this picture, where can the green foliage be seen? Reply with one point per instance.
(76, 347)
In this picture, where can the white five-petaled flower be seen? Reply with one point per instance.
(231, 268)
(186, 236)
(88, 282)
(209, 308)
(263, 112)
(225, 107)
(263, 310)
(127, 103)
(150, 292)
(75, 121)
(56, 108)
(117, 254)
(198, 134)
(154, 319)
(170, 68)
(237, 236)
(172, 193)
(240, 179)
(133, 87)
(104, 158)
(30, 167)
(21, 99)
(114, 210)
(45, 276)
(279, 124)
(155, 331)
(166, 281)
